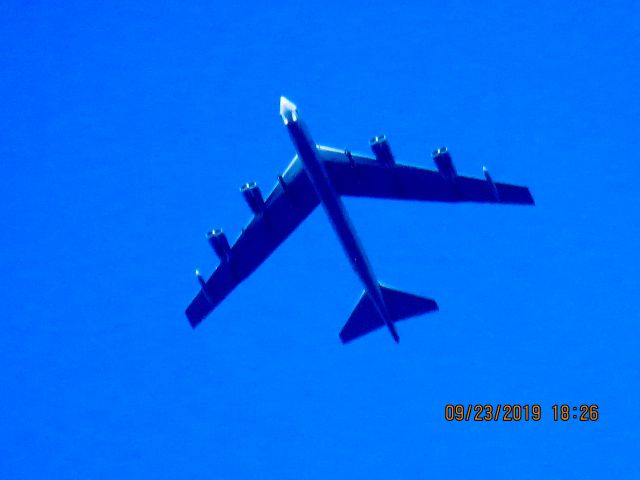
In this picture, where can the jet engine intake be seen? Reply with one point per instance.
(253, 196)
(444, 162)
(218, 241)
(382, 151)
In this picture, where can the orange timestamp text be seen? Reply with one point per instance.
(514, 412)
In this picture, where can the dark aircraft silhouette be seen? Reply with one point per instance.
(320, 174)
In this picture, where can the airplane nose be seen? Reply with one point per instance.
(288, 110)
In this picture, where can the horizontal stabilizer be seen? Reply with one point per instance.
(400, 305)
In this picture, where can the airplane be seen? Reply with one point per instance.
(322, 175)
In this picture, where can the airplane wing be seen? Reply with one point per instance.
(289, 203)
(362, 176)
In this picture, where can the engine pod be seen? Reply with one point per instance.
(218, 241)
(253, 197)
(444, 162)
(382, 150)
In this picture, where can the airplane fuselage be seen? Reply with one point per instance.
(332, 203)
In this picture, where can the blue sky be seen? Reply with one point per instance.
(125, 132)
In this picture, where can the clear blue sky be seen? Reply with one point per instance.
(125, 131)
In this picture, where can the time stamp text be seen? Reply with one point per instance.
(520, 412)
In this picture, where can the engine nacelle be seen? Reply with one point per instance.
(253, 196)
(218, 241)
(382, 151)
(444, 162)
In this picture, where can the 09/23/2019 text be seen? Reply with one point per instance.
(519, 412)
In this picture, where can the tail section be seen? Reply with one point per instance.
(400, 305)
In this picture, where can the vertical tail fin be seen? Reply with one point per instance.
(400, 305)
